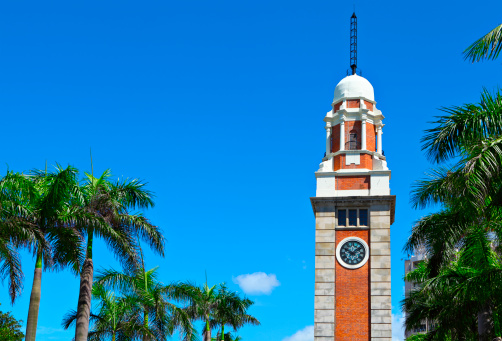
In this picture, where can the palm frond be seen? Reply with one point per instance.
(10, 267)
(463, 126)
(486, 47)
(148, 232)
(114, 279)
(440, 234)
(133, 194)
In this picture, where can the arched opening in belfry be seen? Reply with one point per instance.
(353, 142)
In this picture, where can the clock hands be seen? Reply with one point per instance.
(352, 253)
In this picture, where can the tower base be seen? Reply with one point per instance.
(353, 303)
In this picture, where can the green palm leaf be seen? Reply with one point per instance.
(486, 47)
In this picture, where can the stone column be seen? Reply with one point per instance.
(379, 140)
(328, 138)
(363, 128)
(324, 301)
(381, 305)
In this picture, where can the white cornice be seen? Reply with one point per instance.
(347, 98)
(358, 151)
(356, 171)
(353, 114)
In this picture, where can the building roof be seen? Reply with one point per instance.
(354, 86)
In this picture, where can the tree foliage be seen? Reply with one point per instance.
(460, 283)
(470, 284)
(10, 328)
(486, 47)
(152, 304)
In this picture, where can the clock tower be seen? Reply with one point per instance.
(353, 210)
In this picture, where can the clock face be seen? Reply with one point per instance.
(352, 252)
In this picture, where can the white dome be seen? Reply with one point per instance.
(354, 86)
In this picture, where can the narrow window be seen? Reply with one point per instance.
(363, 217)
(353, 141)
(352, 217)
(342, 218)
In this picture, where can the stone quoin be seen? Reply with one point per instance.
(354, 210)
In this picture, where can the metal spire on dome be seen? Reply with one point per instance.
(353, 43)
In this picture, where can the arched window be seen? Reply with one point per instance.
(352, 143)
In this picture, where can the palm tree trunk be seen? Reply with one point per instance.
(85, 295)
(36, 290)
(223, 332)
(207, 333)
(484, 323)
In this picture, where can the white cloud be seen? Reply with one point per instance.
(48, 330)
(397, 327)
(257, 283)
(306, 334)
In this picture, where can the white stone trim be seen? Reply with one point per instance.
(342, 134)
(352, 97)
(357, 151)
(363, 134)
(354, 114)
(355, 266)
(379, 139)
(352, 158)
(353, 171)
(328, 138)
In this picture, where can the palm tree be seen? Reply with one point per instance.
(15, 232)
(231, 310)
(486, 47)
(202, 303)
(115, 320)
(465, 298)
(41, 201)
(216, 307)
(109, 202)
(470, 136)
(470, 190)
(152, 302)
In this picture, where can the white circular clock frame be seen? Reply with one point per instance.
(353, 266)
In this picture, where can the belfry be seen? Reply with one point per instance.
(354, 211)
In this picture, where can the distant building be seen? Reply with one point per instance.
(410, 265)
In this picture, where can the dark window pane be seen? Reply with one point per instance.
(363, 217)
(352, 217)
(342, 217)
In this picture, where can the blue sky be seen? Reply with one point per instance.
(219, 106)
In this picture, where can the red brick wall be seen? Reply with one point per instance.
(370, 137)
(339, 162)
(337, 106)
(352, 182)
(335, 138)
(369, 105)
(352, 303)
(353, 103)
